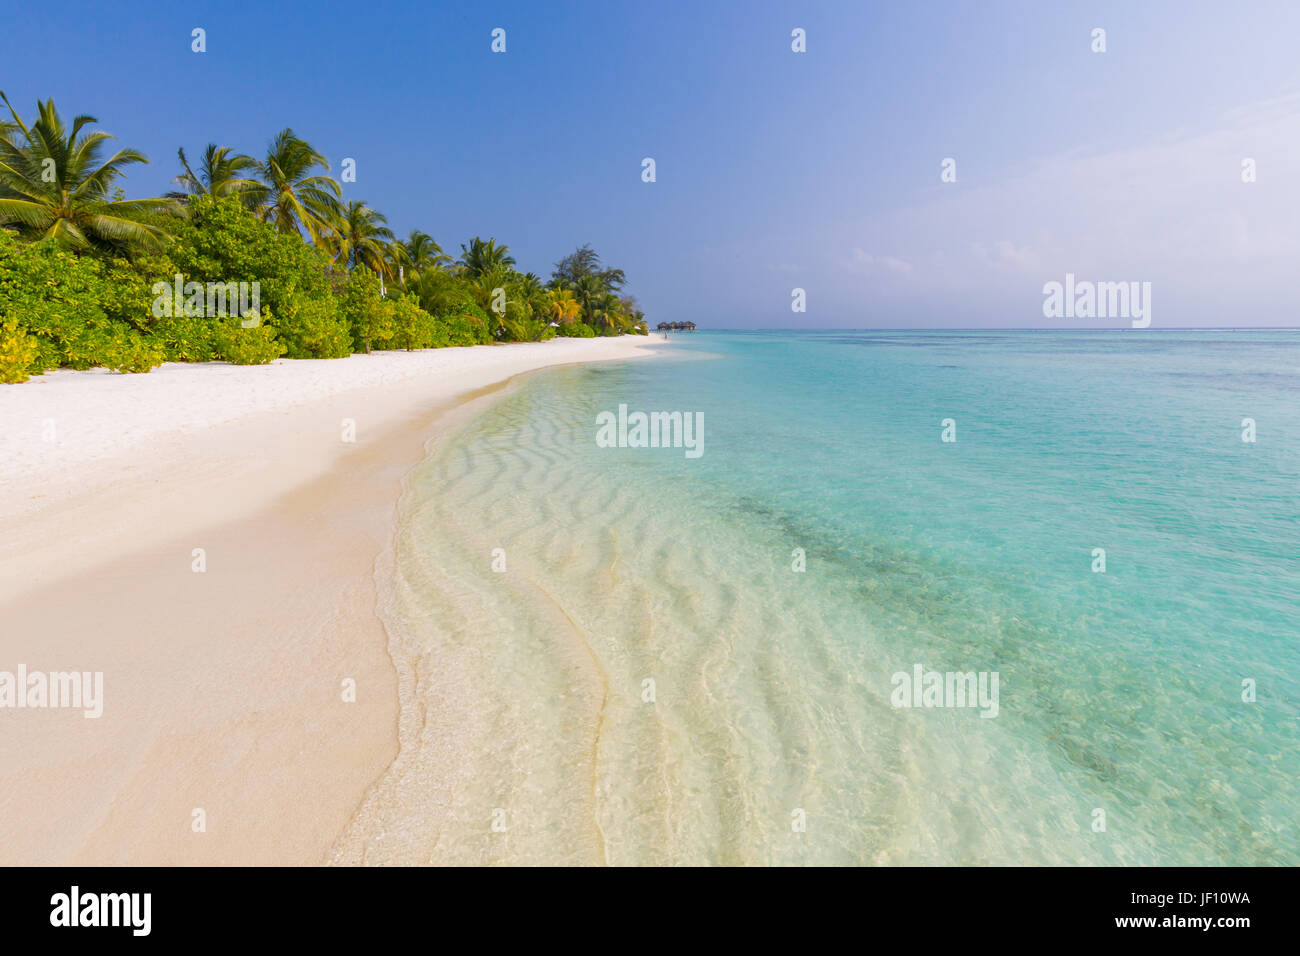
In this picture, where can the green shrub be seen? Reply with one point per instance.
(18, 353)
(128, 351)
(130, 301)
(413, 327)
(186, 338)
(463, 328)
(480, 325)
(77, 316)
(311, 328)
(368, 316)
(241, 346)
(577, 330)
(221, 241)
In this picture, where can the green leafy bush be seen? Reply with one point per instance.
(186, 338)
(75, 314)
(368, 316)
(18, 353)
(467, 325)
(241, 346)
(221, 241)
(413, 327)
(577, 330)
(127, 351)
(311, 328)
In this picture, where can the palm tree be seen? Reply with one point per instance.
(634, 315)
(534, 305)
(588, 291)
(55, 184)
(442, 293)
(481, 257)
(359, 236)
(293, 196)
(424, 252)
(582, 262)
(220, 174)
(417, 254)
(564, 308)
(485, 286)
(533, 293)
(607, 313)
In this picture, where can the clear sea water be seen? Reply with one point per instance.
(525, 702)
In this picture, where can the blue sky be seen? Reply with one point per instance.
(775, 170)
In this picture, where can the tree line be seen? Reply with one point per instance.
(80, 263)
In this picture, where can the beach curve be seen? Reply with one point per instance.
(222, 680)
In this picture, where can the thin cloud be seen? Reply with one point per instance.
(862, 261)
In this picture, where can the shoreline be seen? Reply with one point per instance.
(220, 686)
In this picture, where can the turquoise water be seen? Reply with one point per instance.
(1121, 693)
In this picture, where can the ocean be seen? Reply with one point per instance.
(632, 655)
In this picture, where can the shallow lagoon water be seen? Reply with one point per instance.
(769, 734)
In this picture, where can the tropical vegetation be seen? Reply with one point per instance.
(82, 267)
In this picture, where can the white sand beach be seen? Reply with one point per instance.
(223, 690)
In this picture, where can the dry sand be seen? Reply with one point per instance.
(223, 690)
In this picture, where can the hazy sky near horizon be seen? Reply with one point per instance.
(775, 170)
